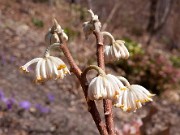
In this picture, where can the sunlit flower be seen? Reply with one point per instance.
(89, 27)
(104, 87)
(131, 97)
(9, 102)
(48, 67)
(42, 109)
(25, 105)
(115, 50)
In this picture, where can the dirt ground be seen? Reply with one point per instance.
(57, 107)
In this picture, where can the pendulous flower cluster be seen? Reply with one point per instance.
(104, 86)
(125, 96)
(50, 67)
(115, 50)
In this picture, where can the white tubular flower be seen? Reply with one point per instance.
(131, 97)
(89, 27)
(115, 50)
(103, 86)
(47, 68)
(55, 34)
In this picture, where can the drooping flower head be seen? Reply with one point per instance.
(115, 50)
(89, 27)
(48, 67)
(131, 97)
(103, 86)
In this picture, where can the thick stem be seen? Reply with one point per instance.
(91, 104)
(109, 116)
(107, 103)
(74, 68)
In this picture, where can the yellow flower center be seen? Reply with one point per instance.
(116, 95)
(62, 66)
(24, 69)
(39, 80)
(128, 109)
(138, 100)
(124, 88)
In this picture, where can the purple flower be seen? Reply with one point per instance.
(9, 102)
(42, 109)
(50, 97)
(1, 94)
(25, 105)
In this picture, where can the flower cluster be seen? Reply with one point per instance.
(131, 97)
(105, 86)
(89, 27)
(50, 67)
(115, 50)
(125, 96)
(10, 103)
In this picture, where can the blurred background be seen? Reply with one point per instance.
(152, 33)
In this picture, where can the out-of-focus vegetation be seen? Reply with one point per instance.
(150, 68)
(71, 33)
(37, 22)
(176, 61)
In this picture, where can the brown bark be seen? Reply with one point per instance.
(91, 104)
(107, 103)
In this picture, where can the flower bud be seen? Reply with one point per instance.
(51, 38)
(89, 27)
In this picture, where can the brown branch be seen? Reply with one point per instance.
(74, 68)
(91, 104)
(100, 60)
